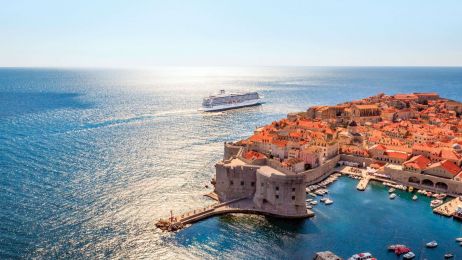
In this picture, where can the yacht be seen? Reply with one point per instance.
(435, 203)
(409, 255)
(362, 256)
(431, 244)
(224, 101)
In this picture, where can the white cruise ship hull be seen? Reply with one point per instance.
(247, 103)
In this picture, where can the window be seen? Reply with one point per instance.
(252, 184)
(231, 182)
(277, 196)
(277, 188)
(293, 197)
(293, 189)
(242, 183)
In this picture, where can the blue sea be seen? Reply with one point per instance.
(90, 159)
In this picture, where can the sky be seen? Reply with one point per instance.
(129, 34)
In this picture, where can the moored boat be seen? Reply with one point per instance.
(328, 201)
(414, 197)
(459, 239)
(431, 244)
(435, 203)
(448, 256)
(391, 190)
(409, 255)
(362, 256)
(313, 202)
(392, 196)
(393, 247)
(402, 250)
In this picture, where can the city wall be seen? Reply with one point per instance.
(319, 173)
(424, 181)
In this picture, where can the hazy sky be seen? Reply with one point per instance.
(134, 33)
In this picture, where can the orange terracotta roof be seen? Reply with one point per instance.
(450, 167)
(397, 155)
(418, 162)
(253, 155)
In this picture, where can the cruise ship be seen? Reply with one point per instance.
(224, 101)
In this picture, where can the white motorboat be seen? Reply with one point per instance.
(391, 190)
(414, 197)
(431, 244)
(393, 247)
(409, 255)
(328, 201)
(459, 239)
(435, 203)
(392, 196)
(313, 202)
(361, 256)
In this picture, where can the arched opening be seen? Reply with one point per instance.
(414, 180)
(427, 182)
(441, 186)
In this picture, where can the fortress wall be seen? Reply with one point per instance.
(277, 165)
(453, 187)
(235, 182)
(320, 172)
(284, 194)
(230, 151)
(356, 159)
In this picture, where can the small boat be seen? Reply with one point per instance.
(312, 194)
(392, 196)
(309, 206)
(308, 200)
(409, 255)
(435, 203)
(393, 247)
(410, 189)
(328, 201)
(414, 197)
(431, 244)
(448, 255)
(459, 239)
(402, 250)
(440, 196)
(362, 256)
(323, 199)
(429, 194)
(313, 202)
(391, 190)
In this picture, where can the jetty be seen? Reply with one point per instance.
(449, 208)
(240, 205)
(362, 184)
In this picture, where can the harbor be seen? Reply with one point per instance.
(396, 221)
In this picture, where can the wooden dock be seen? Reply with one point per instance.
(449, 208)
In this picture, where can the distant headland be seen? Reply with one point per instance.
(406, 140)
